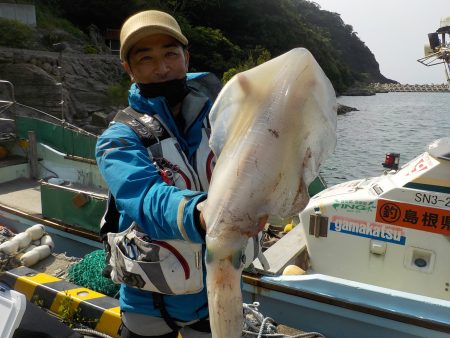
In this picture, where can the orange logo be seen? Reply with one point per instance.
(413, 216)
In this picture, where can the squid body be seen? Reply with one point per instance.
(272, 127)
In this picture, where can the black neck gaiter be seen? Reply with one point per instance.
(174, 91)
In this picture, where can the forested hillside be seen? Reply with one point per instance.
(228, 36)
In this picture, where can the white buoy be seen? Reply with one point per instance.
(35, 255)
(44, 251)
(30, 258)
(9, 247)
(36, 231)
(29, 248)
(24, 239)
(47, 240)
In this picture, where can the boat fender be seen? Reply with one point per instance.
(9, 247)
(30, 258)
(36, 231)
(293, 270)
(288, 227)
(44, 251)
(35, 255)
(28, 248)
(47, 240)
(31, 247)
(24, 239)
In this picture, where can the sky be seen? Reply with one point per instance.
(395, 31)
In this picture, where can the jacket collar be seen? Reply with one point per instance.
(194, 109)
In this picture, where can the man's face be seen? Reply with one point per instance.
(157, 58)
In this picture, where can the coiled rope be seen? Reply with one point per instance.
(92, 333)
(255, 324)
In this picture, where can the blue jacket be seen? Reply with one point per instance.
(143, 197)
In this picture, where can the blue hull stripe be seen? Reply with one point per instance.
(428, 187)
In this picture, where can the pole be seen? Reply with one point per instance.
(32, 155)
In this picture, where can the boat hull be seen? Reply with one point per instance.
(339, 308)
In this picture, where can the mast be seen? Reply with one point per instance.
(437, 51)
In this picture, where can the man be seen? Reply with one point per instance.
(157, 164)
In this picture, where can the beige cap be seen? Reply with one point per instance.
(147, 23)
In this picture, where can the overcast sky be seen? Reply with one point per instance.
(395, 31)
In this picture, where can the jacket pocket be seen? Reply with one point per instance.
(169, 267)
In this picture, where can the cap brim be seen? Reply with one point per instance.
(147, 31)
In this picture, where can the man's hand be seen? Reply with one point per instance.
(261, 221)
(202, 221)
(201, 218)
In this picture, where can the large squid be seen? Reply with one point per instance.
(272, 127)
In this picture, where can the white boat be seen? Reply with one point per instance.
(377, 252)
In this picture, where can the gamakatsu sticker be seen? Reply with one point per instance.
(381, 232)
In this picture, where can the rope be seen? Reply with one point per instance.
(92, 333)
(255, 324)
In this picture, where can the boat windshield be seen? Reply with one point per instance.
(440, 148)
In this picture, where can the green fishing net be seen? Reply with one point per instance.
(88, 273)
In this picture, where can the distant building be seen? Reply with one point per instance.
(112, 40)
(24, 13)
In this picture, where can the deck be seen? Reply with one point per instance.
(22, 194)
(22, 198)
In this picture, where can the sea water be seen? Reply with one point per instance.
(403, 123)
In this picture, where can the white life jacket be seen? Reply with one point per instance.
(175, 168)
(170, 266)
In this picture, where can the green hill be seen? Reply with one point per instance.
(225, 36)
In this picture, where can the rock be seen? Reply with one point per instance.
(85, 80)
(93, 129)
(358, 92)
(343, 109)
(100, 119)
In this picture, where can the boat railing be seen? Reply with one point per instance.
(7, 104)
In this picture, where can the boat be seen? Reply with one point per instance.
(367, 273)
(437, 50)
(375, 252)
(48, 172)
(48, 176)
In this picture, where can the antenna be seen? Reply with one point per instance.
(60, 47)
(438, 50)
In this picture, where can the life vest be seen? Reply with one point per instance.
(173, 165)
(171, 266)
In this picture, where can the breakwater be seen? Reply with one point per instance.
(397, 87)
